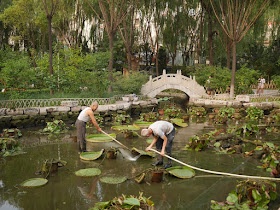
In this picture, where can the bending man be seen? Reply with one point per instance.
(163, 133)
(85, 116)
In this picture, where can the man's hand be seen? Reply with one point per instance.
(100, 130)
(148, 149)
(162, 153)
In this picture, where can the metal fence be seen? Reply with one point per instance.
(26, 103)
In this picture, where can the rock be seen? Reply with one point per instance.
(20, 117)
(76, 109)
(43, 111)
(3, 111)
(126, 99)
(69, 103)
(243, 98)
(18, 111)
(102, 108)
(31, 111)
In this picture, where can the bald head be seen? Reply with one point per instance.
(94, 105)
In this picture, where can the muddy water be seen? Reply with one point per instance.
(67, 191)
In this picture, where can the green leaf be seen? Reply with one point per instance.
(181, 172)
(87, 172)
(232, 197)
(271, 145)
(217, 144)
(113, 179)
(256, 195)
(35, 182)
(132, 201)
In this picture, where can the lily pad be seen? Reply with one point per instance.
(183, 125)
(182, 172)
(87, 172)
(176, 120)
(142, 124)
(125, 127)
(136, 151)
(100, 137)
(35, 182)
(91, 155)
(113, 179)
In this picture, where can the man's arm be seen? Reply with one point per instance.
(90, 113)
(163, 145)
(152, 144)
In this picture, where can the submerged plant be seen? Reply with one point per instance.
(248, 195)
(126, 202)
(197, 111)
(11, 133)
(9, 146)
(254, 113)
(56, 126)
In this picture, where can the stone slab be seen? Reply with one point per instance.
(243, 98)
(18, 111)
(31, 111)
(3, 111)
(20, 117)
(102, 108)
(69, 103)
(76, 109)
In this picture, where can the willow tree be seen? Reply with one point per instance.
(112, 14)
(236, 18)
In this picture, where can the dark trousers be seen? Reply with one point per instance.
(81, 134)
(168, 147)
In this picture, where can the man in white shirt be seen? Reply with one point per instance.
(85, 116)
(163, 133)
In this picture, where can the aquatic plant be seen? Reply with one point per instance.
(122, 119)
(254, 113)
(197, 143)
(224, 115)
(11, 133)
(149, 117)
(248, 195)
(56, 126)
(126, 202)
(173, 112)
(197, 111)
(9, 146)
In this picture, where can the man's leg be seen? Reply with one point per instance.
(168, 147)
(159, 157)
(81, 132)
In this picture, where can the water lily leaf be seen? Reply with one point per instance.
(177, 120)
(132, 201)
(136, 151)
(91, 155)
(88, 172)
(100, 137)
(113, 179)
(125, 127)
(35, 182)
(183, 172)
(101, 205)
(142, 124)
(180, 124)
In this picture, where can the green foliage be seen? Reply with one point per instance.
(126, 202)
(197, 143)
(56, 126)
(248, 195)
(131, 84)
(254, 113)
(173, 112)
(11, 133)
(9, 146)
(197, 111)
(122, 119)
(149, 117)
(224, 114)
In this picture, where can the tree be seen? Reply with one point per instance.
(53, 4)
(236, 18)
(113, 12)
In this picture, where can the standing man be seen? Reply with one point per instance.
(85, 116)
(163, 133)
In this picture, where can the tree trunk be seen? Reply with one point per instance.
(210, 40)
(228, 54)
(233, 69)
(50, 48)
(110, 73)
(157, 64)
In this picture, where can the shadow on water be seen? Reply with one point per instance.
(67, 191)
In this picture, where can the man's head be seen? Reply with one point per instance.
(94, 106)
(146, 132)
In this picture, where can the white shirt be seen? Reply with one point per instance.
(161, 128)
(83, 117)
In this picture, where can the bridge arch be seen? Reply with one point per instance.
(177, 81)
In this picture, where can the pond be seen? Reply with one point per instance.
(65, 190)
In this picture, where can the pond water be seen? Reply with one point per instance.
(67, 191)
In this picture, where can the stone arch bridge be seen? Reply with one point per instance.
(173, 81)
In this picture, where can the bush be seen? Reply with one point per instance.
(131, 84)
